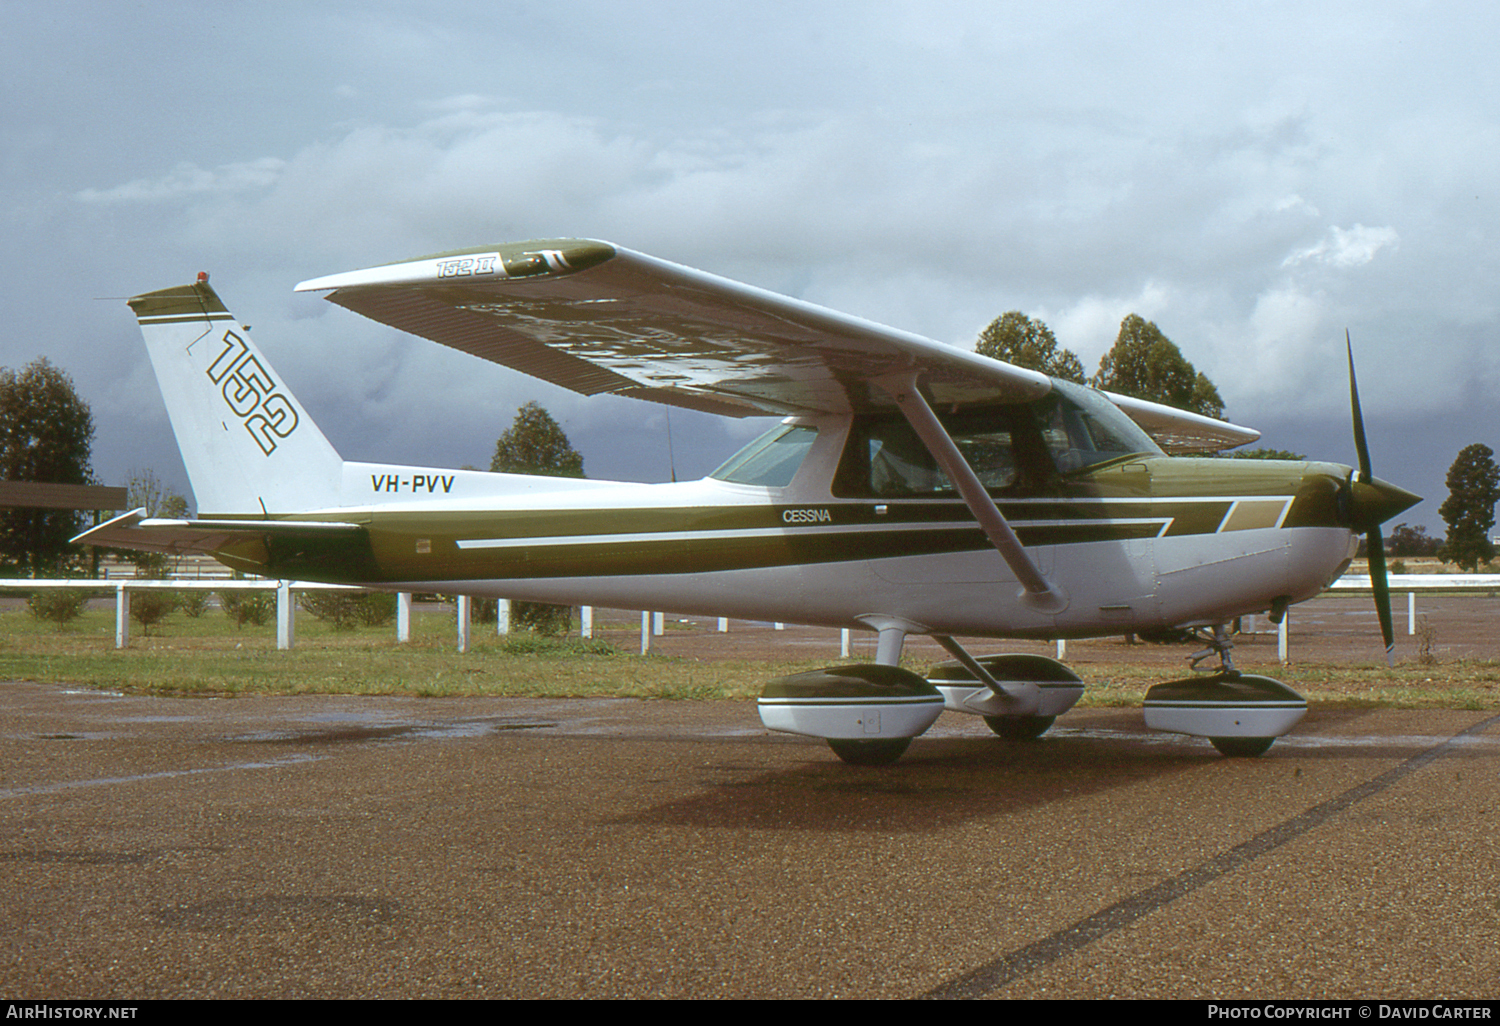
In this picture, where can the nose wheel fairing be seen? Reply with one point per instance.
(1226, 705)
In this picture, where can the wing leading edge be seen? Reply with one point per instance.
(597, 318)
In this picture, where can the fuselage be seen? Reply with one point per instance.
(1135, 541)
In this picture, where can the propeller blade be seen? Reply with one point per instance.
(1360, 446)
(1380, 582)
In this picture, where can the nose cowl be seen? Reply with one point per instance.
(1374, 502)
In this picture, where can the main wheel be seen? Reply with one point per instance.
(869, 753)
(1020, 728)
(1242, 747)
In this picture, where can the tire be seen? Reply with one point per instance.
(1020, 728)
(869, 753)
(1242, 747)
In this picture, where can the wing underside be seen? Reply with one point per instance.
(600, 319)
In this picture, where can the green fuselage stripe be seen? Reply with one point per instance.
(517, 544)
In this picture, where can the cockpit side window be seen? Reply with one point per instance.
(1014, 449)
(885, 459)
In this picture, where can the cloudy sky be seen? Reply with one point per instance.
(1253, 177)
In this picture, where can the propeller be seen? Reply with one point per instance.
(1372, 502)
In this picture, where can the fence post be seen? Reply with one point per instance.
(286, 616)
(463, 623)
(586, 621)
(502, 616)
(645, 632)
(122, 616)
(403, 617)
(1281, 645)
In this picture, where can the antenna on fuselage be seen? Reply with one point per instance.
(671, 458)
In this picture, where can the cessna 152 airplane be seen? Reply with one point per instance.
(912, 488)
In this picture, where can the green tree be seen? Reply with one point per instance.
(536, 445)
(1146, 364)
(1405, 540)
(1267, 454)
(1028, 342)
(144, 489)
(46, 435)
(1469, 510)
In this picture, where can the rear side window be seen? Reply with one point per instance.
(770, 461)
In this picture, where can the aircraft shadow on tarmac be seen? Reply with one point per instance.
(944, 781)
(940, 784)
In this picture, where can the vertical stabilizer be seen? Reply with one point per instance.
(248, 445)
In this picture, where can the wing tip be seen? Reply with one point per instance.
(478, 265)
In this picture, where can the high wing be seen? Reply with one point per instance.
(1178, 431)
(598, 318)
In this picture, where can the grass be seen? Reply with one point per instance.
(208, 656)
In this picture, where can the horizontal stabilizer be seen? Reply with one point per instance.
(134, 530)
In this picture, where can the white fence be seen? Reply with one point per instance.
(286, 620)
(651, 623)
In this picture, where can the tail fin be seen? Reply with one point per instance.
(249, 447)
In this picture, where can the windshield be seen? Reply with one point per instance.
(1083, 429)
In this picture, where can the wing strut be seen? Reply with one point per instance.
(1037, 592)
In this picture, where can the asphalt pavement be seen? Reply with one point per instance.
(391, 847)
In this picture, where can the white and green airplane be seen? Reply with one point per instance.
(911, 488)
